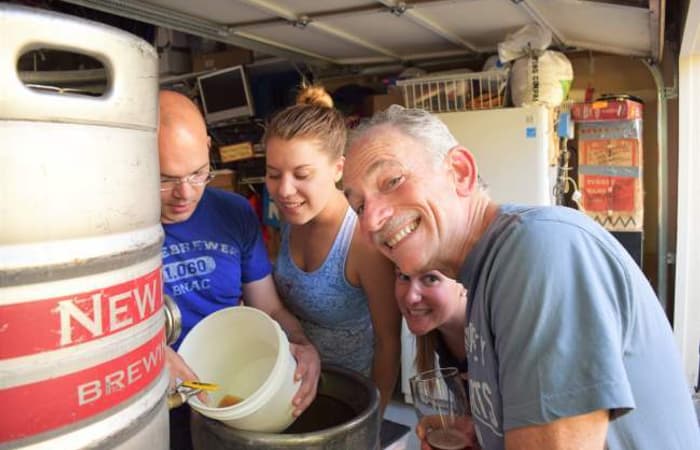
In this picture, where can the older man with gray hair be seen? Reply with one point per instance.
(567, 345)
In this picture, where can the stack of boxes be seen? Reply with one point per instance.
(609, 136)
(176, 56)
(232, 56)
(224, 179)
(173, 52)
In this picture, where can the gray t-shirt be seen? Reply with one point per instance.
(562, 322)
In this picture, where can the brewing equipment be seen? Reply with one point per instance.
(81, 322)
(344, 416)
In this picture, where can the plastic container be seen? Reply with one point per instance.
(456, 92)
(247, 354)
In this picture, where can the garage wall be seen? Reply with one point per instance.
(620, 74)
(687, 280)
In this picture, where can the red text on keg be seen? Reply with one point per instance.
(49, 324)
(58, 401)
(121, 378)
(105, 311)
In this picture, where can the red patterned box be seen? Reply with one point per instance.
(609, 152)
(613, 201)
(606, 110)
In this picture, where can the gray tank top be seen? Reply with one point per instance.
(334, 313)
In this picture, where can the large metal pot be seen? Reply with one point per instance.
(344, 416)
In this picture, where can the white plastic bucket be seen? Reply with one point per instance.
(247, 354)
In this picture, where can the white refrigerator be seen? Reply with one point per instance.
(513, 148)
(515, 152)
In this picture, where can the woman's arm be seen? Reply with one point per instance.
(376, 275)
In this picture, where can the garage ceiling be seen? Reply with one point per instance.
(364, 32)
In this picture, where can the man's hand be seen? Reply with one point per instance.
(180, 371)
(308, 371)
(463, 424)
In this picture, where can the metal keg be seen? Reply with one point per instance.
(81, 322)
(343, 416)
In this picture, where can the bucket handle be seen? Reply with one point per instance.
(187, 389)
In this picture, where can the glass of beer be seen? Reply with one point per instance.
(440, 402)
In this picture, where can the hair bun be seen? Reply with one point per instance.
(314, 95)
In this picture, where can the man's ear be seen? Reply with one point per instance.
(464, 170)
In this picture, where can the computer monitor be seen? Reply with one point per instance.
(225, 95)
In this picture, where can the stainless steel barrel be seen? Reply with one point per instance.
(81, 321)
(344, 416)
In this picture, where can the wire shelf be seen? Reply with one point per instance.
(458, 92)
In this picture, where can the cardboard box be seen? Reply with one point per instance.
(611, 129)
(606, 110)
(223, 179)
(615, 202)
(610, 165)
(221, 60)
(610, 194)
(379, 102)
(235, 152)
(610, 152)
(174, 62)
(167, 39)
(610, 180)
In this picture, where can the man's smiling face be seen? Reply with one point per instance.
(400, 196)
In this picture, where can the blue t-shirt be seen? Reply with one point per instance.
(562, 322)
(208, 258)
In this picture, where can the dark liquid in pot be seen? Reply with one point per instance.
(324, 412)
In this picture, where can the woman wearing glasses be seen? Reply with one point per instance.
(339, 287)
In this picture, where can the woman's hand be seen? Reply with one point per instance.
(308, 371)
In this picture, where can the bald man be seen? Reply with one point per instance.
(213, 252)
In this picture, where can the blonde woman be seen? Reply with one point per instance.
(435, 307)
(337, 284)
